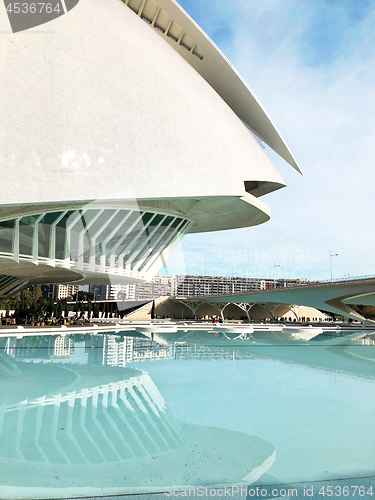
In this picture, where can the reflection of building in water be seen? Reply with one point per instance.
(145, 350)
(117, 351)
(207, 353)
(367, 341)
(44, 347)
(40, 347)
(64, 346)
(102, 430)
(111, 422)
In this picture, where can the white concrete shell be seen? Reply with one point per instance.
(121, 101)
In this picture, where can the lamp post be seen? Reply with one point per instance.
(273, 273)
(234, 278)
(330, 260)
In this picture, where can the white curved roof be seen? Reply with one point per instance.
(189, 40)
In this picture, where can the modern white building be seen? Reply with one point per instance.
(123, 129)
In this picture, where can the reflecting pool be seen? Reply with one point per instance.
(114, 413)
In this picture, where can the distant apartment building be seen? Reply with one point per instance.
(100, 291)
(182, 285)
(159, 286)
(112, 292)
(197, 286)
(58, 292)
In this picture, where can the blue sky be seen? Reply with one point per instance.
(312, 66)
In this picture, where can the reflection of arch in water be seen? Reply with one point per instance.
(88, 426)
(103, 434)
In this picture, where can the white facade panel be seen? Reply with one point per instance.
(98, 106)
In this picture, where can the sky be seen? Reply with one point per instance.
(312, 66)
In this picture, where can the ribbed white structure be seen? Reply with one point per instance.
(101, 243)
(112, 422)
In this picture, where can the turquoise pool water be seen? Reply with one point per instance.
(106, 414)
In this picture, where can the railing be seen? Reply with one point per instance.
(350, 278)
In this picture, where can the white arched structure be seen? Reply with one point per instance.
(125, 128)
(335, 297)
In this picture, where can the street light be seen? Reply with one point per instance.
(330, 259)
(273, 273)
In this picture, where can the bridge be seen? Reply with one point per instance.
(332, 296)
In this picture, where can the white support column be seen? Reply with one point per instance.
(154, 258)
(149, 252)
(34, 251)
(134, 240)
(102, 256)
(74, 219)
(93, 245)
(245, 306)
(52, 239)
(291, 308)
(147, 240)
(190, 305)
(82, 235)
(268, 308)
(222, 310)
(111, 235)
(16, 240)
(168, 245)
(113, 251)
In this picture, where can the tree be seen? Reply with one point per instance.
(37, 293)
(49, 308)
(26, 299)
(58, 308)
(153, 310)
(96, 310)
(82, 295)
